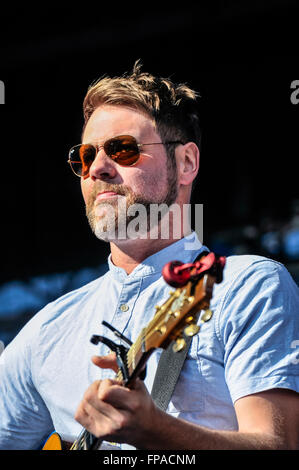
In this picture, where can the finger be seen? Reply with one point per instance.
(98, 393)
(107, 391)
(98, 416)
(83, 417)
(99, 423)
(93, 397)
(120, 397)
(106, 362)
(108, 425)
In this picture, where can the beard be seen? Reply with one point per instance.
(109, 221)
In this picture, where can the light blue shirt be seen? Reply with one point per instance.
(249, 345)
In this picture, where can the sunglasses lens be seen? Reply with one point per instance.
(123, 150)
(81, 158)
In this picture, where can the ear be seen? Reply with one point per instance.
(188, 163)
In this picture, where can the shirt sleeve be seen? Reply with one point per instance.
(259, 328)
(25, 421)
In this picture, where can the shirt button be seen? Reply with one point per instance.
(124, 307)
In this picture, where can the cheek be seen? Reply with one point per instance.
(149, 182)
(86, 189)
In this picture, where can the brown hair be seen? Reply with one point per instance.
(172, 106)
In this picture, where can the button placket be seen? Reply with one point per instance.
(127, 299)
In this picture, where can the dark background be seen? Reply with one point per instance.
(241, 56)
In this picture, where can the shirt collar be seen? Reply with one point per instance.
(186, 249)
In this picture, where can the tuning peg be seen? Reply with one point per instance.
(189, 319)
(161, 329)
(207, 315)
(192, 329)
(179, 345)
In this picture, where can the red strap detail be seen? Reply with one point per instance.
(177, 274)
(199, 266)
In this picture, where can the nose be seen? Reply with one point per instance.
(102, 167)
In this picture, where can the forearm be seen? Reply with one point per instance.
(115, 413)
(177, 434)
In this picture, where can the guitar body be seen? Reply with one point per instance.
(53, 442)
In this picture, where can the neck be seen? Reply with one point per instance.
(128, 253)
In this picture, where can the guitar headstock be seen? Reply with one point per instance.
(179, 315)
(187, 306)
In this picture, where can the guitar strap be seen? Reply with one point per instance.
(169, 369)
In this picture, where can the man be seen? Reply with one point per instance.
(239, 385)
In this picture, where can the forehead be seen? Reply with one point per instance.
(110, 121)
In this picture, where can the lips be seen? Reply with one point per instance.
(106, 195)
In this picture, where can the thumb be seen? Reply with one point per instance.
(106, 362)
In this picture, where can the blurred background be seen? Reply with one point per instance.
(241, 56)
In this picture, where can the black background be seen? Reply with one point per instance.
(240, 56)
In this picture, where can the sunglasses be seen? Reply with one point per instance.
(122, 149)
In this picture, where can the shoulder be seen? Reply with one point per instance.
(246, 265)
(253, 285)
(256, 324)
(250, 272)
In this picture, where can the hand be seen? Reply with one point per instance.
(115, 413)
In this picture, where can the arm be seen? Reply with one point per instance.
(267, 420)
(25, 421)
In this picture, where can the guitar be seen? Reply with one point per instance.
(179, 317)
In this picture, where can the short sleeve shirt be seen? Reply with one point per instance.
(249, 345)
